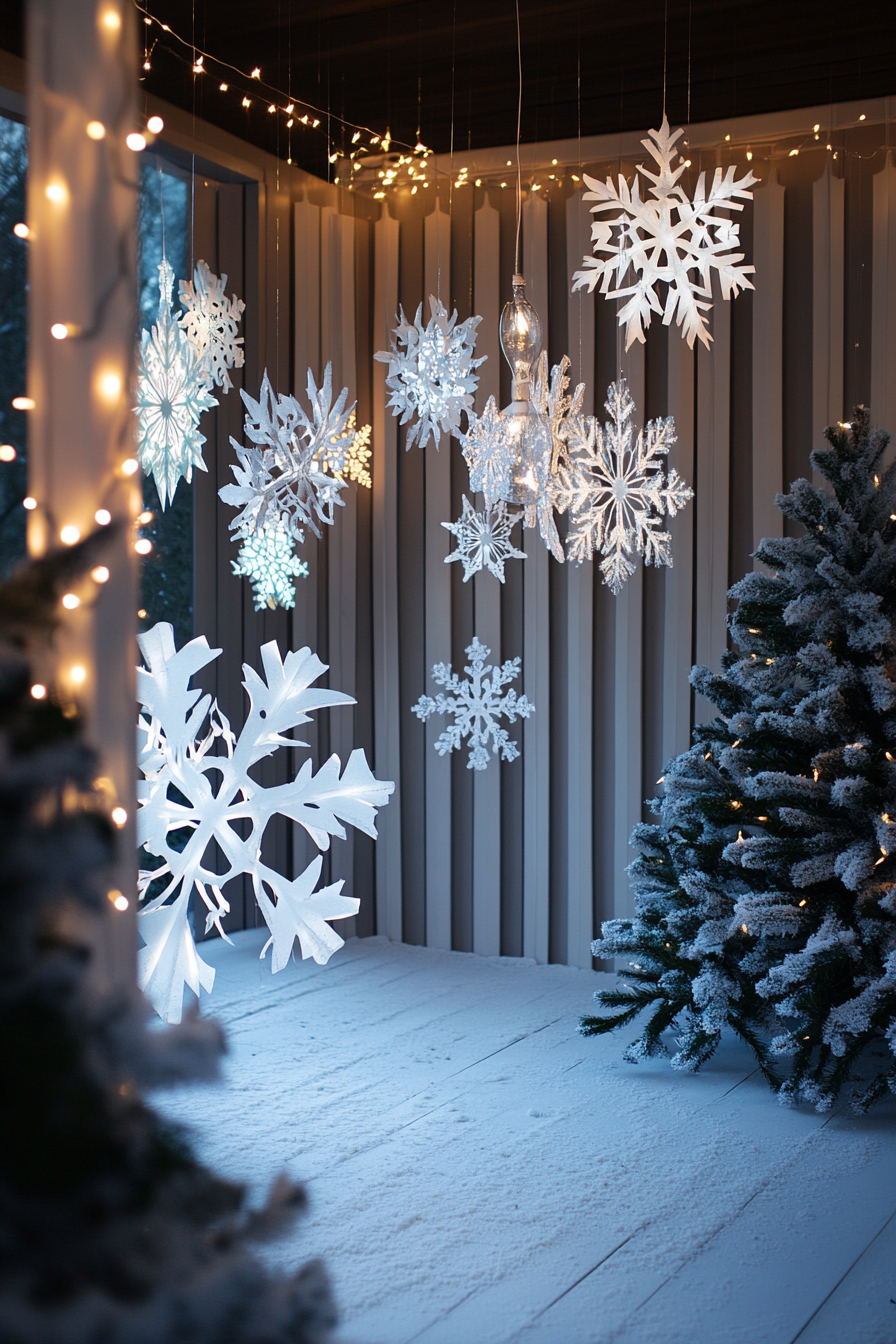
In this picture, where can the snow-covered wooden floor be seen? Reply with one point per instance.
(480, 1173)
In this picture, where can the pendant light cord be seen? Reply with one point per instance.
(519, 119)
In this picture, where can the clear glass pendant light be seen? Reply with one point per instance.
(521, 341)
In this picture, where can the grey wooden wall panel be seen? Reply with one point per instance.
(679, 580)
(883, 302)
(712, 472)
(387, 708)
(828, 203)
(536, 651)
(768, 369)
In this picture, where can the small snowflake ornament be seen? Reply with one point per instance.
(201, 805)
(667, 239)
(490, 453)
(617, 493)
(269, 560)
(349, 463)
(477, 705)
(483, 539)
(172, 395)
(432, 373)
(211, 322)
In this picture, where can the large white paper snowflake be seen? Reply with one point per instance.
(268, 558)
(477, 705)
(618, 494)
(172, 394)
(282, 477)
(199, 790)
(432, 373)
(211, 322)
(483, 539)
(669, 239)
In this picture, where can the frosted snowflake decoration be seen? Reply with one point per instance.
(477, 705)
(211, 322)
(483, 539)
(490, 453)
(282, 477)
(669, 239)
(172, 395)
(201, 810)
(561, 413)
(349, 463)
(269, 560)
(618, 494)
(433, 377)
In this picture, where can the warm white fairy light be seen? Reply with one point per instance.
(103, 517)
(70, 535)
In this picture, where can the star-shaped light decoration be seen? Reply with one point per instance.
(483, 539)
(268, 558)
(172, 395)
(211, 322)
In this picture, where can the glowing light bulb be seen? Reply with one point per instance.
(55, 192)
(21, 230)
(59, 331)
(256, 73)
(112, 20)
(109, 386)
(77, 674)
(100, 574)
(96, 130)
(521, 337)
(103, 517)
(143, 546)
(245, 102)
(70, 535)
(117, 899)
(129, 466)
(29, 503)
(70, 601)
(7, 452)
(223, 87)
(155, 125)
(145, 517)
(39, 691)
(119, 816)
(136, 142)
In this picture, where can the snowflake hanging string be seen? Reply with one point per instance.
(211, 322)
(617, 492)
(477, 705)
(483, 539)
(191, 798)
(268, 558)
(432, 379)
(282, 476)
(172, 394)
(669, 239)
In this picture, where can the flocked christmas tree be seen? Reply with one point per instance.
(766, 895)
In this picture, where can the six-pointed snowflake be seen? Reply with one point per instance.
(433, 377)
(172, 394)
(618, 494)
(490, 453)
(269, 560)
(199, 788)
(477, 705)
(484, 539)
(669, 240)
(282, 478)
(211, 322)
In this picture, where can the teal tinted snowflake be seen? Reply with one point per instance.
(211, 322)
(433, 377)
(268, 559)
(483, 539)
(477, 705)
(172, 394)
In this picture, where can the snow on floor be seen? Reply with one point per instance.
(479, 1173)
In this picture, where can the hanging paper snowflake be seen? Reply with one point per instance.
(172, 394)
(211, 322)
(477, 705)
(619, 494)
(268, 559)
(283, 478)
(560, 412)
(191, 798)
(490, 453)
(349, 464)
(484, 539)
(433, 378)
(668, 240)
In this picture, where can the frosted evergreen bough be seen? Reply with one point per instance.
(432, 373)
(668, 239)
(477, 705)
(483, 539)
(198, 789)
(268, 558)
(618, 493)
(765, 895)
(211, 322)
(172, 395)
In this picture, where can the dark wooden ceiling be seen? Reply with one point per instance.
(451, 65)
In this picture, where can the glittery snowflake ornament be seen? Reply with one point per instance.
(268, 558)
(483, 539)
(668, 239)
(618, 494)
(211, 322)
(432, 373)
(172, 395)
(490, 453)
(202, 813)
(477, 705)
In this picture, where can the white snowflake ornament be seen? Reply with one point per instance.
(667, 239)
(268, 558)
(432, 373)
(477, 705)
(200, 803)
(211, 322)
(349, 463)
(617, 494)
(490, 453)
(483, 539)
(172, 395)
